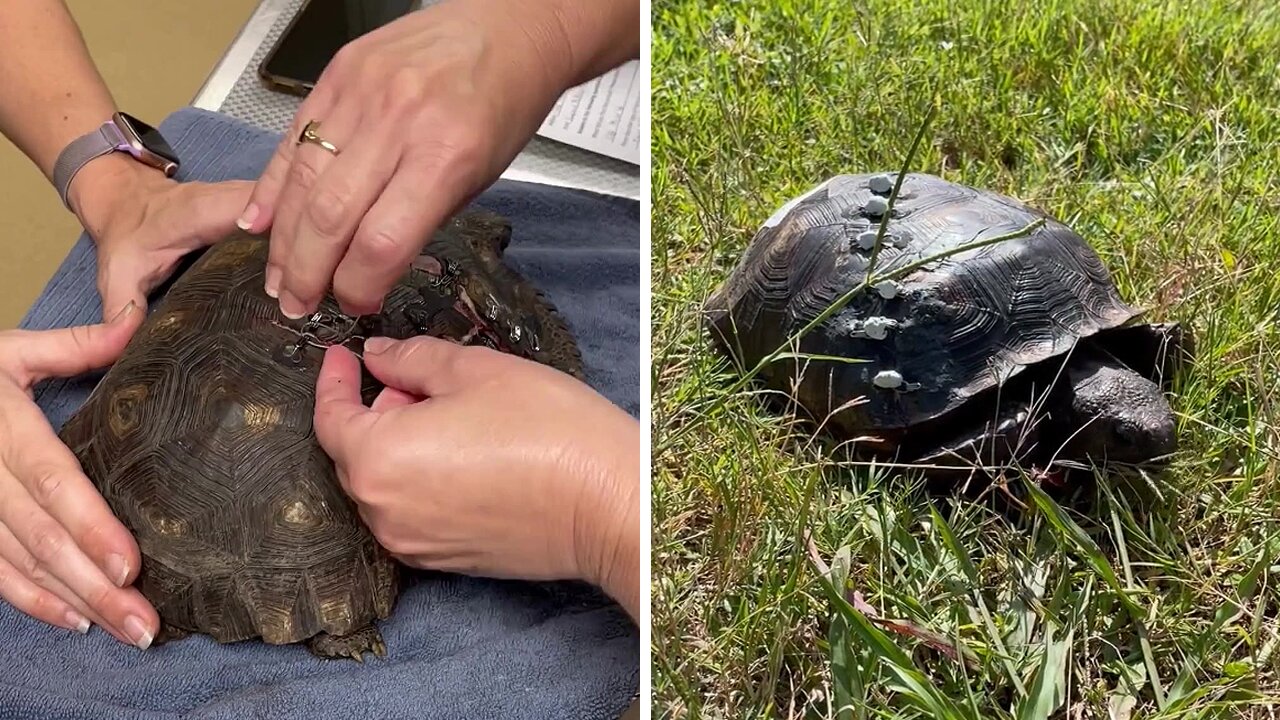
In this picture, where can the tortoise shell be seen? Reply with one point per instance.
(200, 436)
(932, 340)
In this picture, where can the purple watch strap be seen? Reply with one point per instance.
(80, 151)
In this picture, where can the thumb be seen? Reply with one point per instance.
(341, 419)
(209, 210)
(423, 366)
(67, 352)
(118, 290)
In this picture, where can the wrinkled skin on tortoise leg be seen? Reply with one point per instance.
(1004, 439)
(353, 645)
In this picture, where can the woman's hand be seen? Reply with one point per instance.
(64, 557)
(508, 468)
(425, 112)
(144, 223)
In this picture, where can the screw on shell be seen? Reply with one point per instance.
(447, 277)
(515, 332)
(881, 184)
(877, 328)
(888, 379)
(876, 206)
(490, 308)
(887, 289)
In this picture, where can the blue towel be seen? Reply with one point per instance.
(458, 647)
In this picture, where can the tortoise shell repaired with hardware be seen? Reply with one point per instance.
(200, 437)
(972, 343)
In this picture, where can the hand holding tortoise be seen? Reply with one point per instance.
(480, 462)
(64, 557)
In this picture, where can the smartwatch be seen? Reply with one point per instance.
(122, 133)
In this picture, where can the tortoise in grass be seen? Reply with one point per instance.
(1019, 350)
(200, 437)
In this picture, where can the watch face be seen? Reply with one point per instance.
(148, 137)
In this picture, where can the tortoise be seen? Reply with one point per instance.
(1020, 350)
(200, 437)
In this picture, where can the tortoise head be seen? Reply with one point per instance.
(1117, 415)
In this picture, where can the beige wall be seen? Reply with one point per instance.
(149, 78)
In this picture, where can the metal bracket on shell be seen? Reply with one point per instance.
(322, 330)
(893, 380)
(875, 327)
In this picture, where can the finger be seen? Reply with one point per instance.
(207, 212)
(120, 284)
(51, 547)
(333, 210)
(424, 366)
(397, 226)
(67, 352)
(50, 474)
(391, 398)
(37, 602)
(12, 552)
(259, 213)
(341, 419)
(310, 162)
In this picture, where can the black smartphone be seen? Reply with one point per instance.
(318, 30)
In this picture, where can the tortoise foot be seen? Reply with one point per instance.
(168, 633)
(353, 645)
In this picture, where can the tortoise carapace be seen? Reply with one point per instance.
(1019, 350)
(200, 437)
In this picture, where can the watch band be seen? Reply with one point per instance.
(80, 151)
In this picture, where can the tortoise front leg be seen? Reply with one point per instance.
(352, 645)
(1004, 439)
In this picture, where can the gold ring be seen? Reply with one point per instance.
(309, 135)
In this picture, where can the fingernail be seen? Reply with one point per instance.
(376, 345)
(123, 312)
(247, 217)
(79, 622)
(117, 569)
(273, 281)
(137, 632)
(291, 306)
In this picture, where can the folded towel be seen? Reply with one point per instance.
(458, 647)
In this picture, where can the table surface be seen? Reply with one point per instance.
(234, 88)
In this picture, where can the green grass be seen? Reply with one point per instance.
(1153, 129)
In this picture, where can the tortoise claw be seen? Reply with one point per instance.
(353, 645)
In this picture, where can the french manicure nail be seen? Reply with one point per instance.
(247, 217)
(123, 312)
(79, 622)
(117, 569)
(376, 345)
(273, 281)
(291, 306)
(137, 632)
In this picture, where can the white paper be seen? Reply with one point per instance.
(601, 115)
